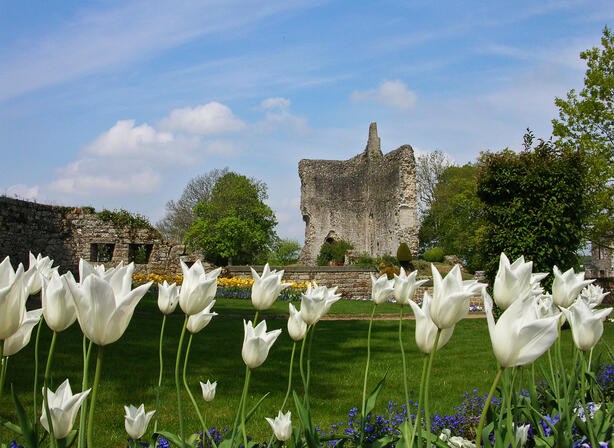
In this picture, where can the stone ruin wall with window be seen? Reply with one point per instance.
(368, 200)
(66, 234)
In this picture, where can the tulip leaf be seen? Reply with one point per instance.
(26, 429)
(384, 442)
(311, 436)
(10, 426)
(71, 437)
(253, 409)
(175, 439)
(370, 405)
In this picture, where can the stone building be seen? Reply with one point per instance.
(368, 200)
(602, 261)
(67, 234)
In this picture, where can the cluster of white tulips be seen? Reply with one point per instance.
(103, 302)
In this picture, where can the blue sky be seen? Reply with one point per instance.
(117, 104)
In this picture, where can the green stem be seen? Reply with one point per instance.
(508, 406)
(404, 370)
(301, 365)
(364, 385)
(418, 422)
(313, 330)
(238, 416)
(493, 388)
(427, 411)
(90, 425)
(177, 385)
(160, 374)
(245, 388)
(589, 423)
(2, 366)
(187, 388)
(255, 318)
(35, 388)
(46, 387)
(83, 412)
(289, 376)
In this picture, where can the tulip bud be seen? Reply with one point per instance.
(136, 421)
(168, 297)
(197, 322)
(58, 304)
(426, 330)
(208, 389)
(282, 426)
(296, 325)
(198, 289)
(381, 289)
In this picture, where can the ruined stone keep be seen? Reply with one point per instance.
(368, 200)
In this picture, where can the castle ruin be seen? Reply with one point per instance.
(368, 200)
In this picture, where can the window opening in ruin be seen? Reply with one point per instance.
(139, 253)
(101, 252)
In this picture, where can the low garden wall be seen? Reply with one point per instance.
(353, 282)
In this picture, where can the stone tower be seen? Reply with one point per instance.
(368, 200)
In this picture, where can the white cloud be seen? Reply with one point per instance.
(389, 93)
(126, 139)
(210, 118)
(278, 116)
(22, 191)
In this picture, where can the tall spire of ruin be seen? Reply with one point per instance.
(373, 144)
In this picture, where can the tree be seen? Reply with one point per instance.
(454, 219)
(586, 125)
(429, 169)
(533, 204)
(233, 225)
(285, 252)
(179, 216)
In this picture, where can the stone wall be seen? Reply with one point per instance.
(602, 261)
(67, 234)
(354, 282)
(369, 200)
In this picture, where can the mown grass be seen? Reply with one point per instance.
(130, 368)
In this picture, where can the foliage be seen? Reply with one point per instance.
(454, 222)
(285, 252)
(586, 125)
(124, 218)
(233, 224)
(434, 255)
(533, 206)
(429, 169)
(333, 252)
(179, 214)
(403, 252)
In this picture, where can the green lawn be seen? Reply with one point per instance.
(130, 367)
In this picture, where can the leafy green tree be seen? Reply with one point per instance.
(454, 219)
(533, 206)
(285, 252)
(586, 125)
(179, 217)
(233, 225)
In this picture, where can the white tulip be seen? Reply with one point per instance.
(519, 337)
(136, 420)
(104, 308)
(316, 301)
(282, 426)
(586, 324)
(451, 297)
(522, 434)
(296, 325)
(545, 307)
(13, 295)
(21, 337)
(593, 295)
(266, 288)
(63, 408)
(198, 288)
(426, 330)
(99, 270)
(257, 343)
(512, 282)
(168, 297)
(405, 286)
(57, 301)
(40, 267)
(197, 322)
(381, 289)
(208, 389)
(567, 286)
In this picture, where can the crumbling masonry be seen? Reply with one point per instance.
(368, 200)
